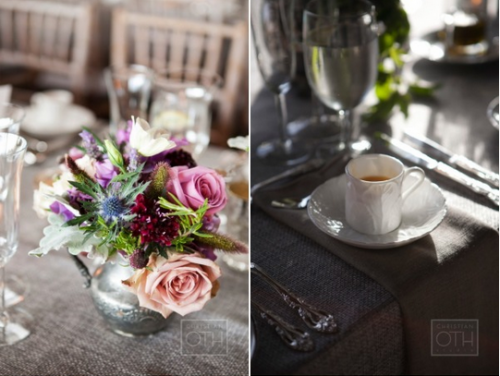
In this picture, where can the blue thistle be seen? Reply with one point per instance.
(112, 208)
(90, 145)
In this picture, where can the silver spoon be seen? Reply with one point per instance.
(293, 337)
(314, 318)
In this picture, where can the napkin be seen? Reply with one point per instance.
(450, 274)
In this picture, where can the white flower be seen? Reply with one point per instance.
(240, 142)
(87, 164)
(149, 141)
(46, 194)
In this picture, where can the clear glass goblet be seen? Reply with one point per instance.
(340, 40)
(276, 61)
(14, 323)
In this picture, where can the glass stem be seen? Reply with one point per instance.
(285, 141)
(4, 316)
(346, 126)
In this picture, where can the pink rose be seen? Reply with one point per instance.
(183, 283)
(193, 185)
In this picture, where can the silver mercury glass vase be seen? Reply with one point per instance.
(119, 307)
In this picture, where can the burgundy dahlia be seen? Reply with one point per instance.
(153, 223)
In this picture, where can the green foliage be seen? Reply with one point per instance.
(190, 220)
(391, 92)
(91, 221)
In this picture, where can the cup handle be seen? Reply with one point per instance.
(421, 177)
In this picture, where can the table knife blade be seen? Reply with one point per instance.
(456, 160)
(416, 156)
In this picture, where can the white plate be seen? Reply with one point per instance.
(75, 117)
(431, 47)
(422, 212)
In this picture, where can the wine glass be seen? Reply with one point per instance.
(11, 117)
(182, 100)
(341, 56)
(276, 62)
(14, 323)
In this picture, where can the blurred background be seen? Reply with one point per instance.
(48, 45)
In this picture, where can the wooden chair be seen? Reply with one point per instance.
(47, 37)
(163, 42)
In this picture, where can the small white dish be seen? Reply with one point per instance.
(69, 122)
(422, 212)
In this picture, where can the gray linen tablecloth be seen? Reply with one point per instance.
(454, 119)
(70, 338)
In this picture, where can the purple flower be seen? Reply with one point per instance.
(211, 223)
(75, 153)
(133, 160)
(123, 135)
(105, 172)
(76, 198)
(60, 209)
(90, 144)
(205, 250)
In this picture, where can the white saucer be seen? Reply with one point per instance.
(422, 212)
(75, 117)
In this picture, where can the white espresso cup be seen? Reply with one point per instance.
(374, 193)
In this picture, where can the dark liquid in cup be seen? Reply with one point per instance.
(375, 178)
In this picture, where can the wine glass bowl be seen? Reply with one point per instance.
(275, 57)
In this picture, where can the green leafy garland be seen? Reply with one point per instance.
(390, 89)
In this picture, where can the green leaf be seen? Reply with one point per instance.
(82, 187)
(420, 90)
(79, 220)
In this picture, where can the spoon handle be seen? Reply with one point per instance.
(293, 337)
(314, 318)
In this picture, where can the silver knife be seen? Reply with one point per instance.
(419, 158)
(456, 160)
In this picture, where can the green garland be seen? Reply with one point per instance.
(390, 90)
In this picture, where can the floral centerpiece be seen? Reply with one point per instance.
(140, 200)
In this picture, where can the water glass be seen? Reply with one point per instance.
(182, 105)
(14, 324)
(129, 90)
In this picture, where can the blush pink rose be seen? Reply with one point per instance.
(193, 185)
(183, 283)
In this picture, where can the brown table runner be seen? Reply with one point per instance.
(451, 274)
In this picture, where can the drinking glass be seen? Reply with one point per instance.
(341, 55)
(182, 100)
(14, 323)
(276, 62)
(237, 211)
(129, 90)
(11, 117)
